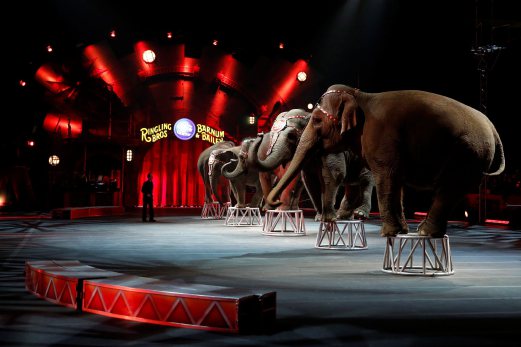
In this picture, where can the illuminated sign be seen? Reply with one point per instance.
(209, 134)
(184, 129)
(155, 133)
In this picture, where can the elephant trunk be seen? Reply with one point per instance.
(306, 144)
(229, 172)
(279, 154)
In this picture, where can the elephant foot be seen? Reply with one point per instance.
(390, 230)
(426, 228)
(344, 214)
(318, 217)
(241, 205)
(267, 207)
(361, 214)
(283, 208)
(328, 217)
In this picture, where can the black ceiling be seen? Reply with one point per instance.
(375, 44)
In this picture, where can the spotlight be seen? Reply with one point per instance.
(149, 56)
(302, 76)
(169, 35)
(22, 83)
(30, 143)
(215, 42)
(130, 155)
(113, 33)
(281, 45)
(54, 160)
(310, 106)
(251, 120)
(49, 48)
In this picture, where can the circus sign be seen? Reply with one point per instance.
(184, 129)
(209, 134)
(155, 133)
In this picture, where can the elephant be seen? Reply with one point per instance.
(332, 170)
(218, 159)
(202, 167)
(329, 172)
(408, 138)
(270, 153)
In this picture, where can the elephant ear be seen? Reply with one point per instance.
(347, 112)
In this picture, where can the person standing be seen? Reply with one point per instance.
(148, 199)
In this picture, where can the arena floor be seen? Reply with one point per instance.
(324, 297)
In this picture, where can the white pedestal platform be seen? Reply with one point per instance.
(245, 216)
(211, 210)
(284, 223)
(342, 235)
(413, 254)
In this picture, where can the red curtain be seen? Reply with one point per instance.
(173, 164)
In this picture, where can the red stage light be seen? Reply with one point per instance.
(302, 76)
(169, 35)
(149, 56)
(113, 33)
(281, 45)
(215, 42)
(22, 83)
(49, 48)
(30, 143)
(497, 221)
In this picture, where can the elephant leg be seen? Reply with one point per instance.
(295, 194)
(365, 190)
(207, 188)
(450, 191)
(389, 192)
(287, 195)
(265, 182)
(240, 194)
(227, 192)
(256, 199)
(348, 203)
(329, 190)
(310, 179)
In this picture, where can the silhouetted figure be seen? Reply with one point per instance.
(148, 199)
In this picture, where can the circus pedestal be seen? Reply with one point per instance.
(246, 216)
(413, 254)
(342, 235)
(284, 223)
(211, 210)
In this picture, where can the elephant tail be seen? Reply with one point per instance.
(498, 163)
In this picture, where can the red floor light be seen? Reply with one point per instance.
(497, 221)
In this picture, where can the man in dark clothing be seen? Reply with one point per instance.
(148, 199)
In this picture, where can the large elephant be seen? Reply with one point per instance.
(219, 158)
(409, 137)
(202, 167)
(271, 152)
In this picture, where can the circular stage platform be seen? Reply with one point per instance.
(323, 298)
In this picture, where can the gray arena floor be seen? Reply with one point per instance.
(324, 297)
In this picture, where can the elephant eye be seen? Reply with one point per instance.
(292, 135)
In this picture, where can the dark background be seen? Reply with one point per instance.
(375, 45)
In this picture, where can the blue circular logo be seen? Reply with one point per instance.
(184, 129)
